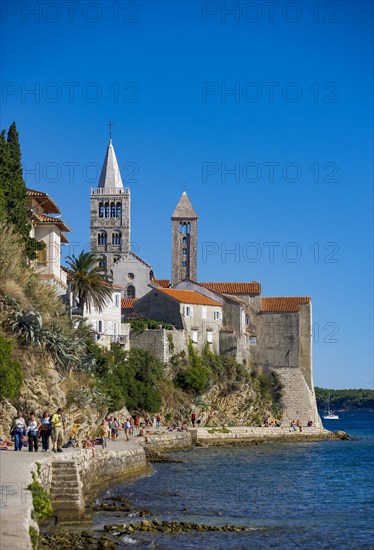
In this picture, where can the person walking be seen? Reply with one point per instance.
(57, 422)
(127, 428)
(158, 421)
(18, 430)
(45, 430)
(104, 427)
(193, 419)
(33, 432)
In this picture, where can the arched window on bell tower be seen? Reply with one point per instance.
(101, 210)
(112, 210)
(118, 209)
(102, 238)
(116, 238)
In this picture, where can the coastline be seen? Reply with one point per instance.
(74, 477)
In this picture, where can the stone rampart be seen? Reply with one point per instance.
(243, 433)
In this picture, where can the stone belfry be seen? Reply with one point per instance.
(184, 241)
(110, 212)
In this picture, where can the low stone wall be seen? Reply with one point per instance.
(243, 433)
(170, 441)
(74, 477)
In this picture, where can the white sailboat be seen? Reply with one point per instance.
(329, 414)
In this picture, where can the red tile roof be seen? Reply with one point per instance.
(252, 287)
(162, 282)
(284, 303)
(51, 219)
(188, 297)
(47, 203)
(128, 303)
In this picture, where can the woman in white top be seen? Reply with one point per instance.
(33, 432)
(18, 431)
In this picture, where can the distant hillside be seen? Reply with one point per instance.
(345, 399)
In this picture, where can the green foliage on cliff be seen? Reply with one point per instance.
(10, 371)
(128, 378)
(197, 373)
(345, 399)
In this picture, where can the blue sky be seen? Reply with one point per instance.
(285, 158)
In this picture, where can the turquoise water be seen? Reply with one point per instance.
(304, 495)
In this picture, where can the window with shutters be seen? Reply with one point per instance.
(42, 256)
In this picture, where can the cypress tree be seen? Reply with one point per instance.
(13, 190)
(3, 173)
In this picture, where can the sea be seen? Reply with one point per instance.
(291, 495)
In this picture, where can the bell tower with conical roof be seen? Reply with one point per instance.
(184, 241)
(110, 212)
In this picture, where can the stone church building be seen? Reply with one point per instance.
(233, 318)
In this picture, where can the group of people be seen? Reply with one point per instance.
(296, 426)
(33, 429)
(51, 427)
(133, 425)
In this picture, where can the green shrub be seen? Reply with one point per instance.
(131, 379)
(140, 325)
(10, 372)
(40, 499)
(193, 379)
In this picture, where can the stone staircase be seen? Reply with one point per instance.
(66, 490)
(298, 400)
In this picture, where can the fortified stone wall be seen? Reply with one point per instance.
(161, 343)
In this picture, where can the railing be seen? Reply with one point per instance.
(110, 191)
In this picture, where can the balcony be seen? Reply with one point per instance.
(110, 191)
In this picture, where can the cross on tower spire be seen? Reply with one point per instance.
(110, 124)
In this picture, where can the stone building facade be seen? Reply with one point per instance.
(198, 316)
(47, 226)
(133, 274)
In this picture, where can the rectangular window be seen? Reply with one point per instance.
(252, 340)
(117, 300)
(209, 336)
(100, 327)
(184, 251)
(184, 264)
(217, 315)
(247, 319)
(204, 312)
(194, 334)
(187, 311)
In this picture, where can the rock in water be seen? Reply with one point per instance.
(342, 435)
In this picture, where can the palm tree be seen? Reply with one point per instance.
(90, 283)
